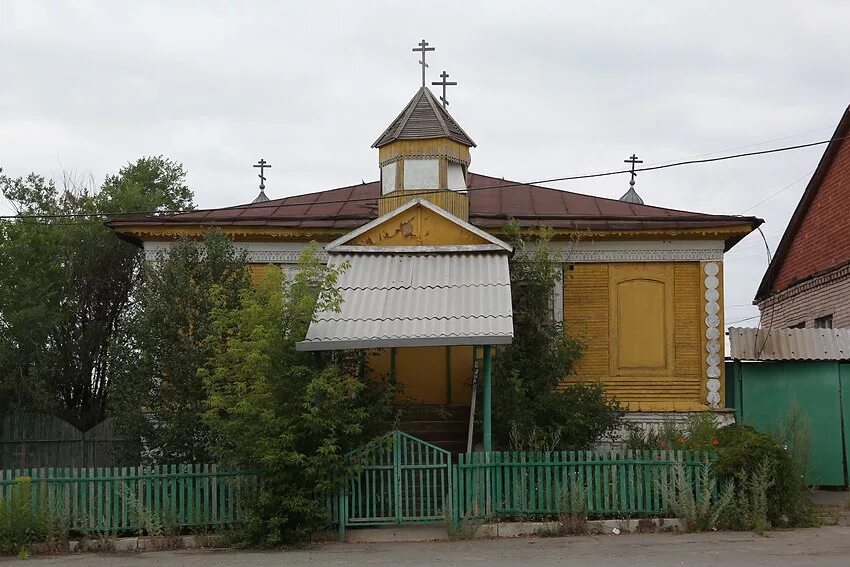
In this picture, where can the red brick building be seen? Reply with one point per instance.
(807, 284)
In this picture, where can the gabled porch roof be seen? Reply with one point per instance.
(413, 296)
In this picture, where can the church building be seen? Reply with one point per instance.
(428, 283)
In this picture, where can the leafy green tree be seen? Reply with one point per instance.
(290, 415)
(531, 408)
(158, 396)
(65, 281)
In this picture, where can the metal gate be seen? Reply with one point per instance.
(402, 480)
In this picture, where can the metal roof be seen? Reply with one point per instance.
(789, 344)
(492, 201)
(423, 118)
(432, 299)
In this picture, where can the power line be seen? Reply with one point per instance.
(778, 192)
(742, 320)
(503, 184)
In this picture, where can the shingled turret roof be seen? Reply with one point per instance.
(423, 118)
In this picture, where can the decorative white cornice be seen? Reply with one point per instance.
(580, 251)
(262, 256)
(637, 255)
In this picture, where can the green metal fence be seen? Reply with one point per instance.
(124, 499)
(532, 483)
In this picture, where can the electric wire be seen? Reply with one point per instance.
(502, 184)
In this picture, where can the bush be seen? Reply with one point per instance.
(572, 508)
(749, 510)
(291, 416)
(23, 525)
(742, 454)
(698, 433)
(698, 511)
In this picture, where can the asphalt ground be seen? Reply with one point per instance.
(824, 547)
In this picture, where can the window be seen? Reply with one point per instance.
(800, 325)
(824, 322)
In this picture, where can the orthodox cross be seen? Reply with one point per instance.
(262, 164)
(633, 160)
(423, 47)
(444, 83)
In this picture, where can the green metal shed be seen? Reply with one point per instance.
(771, 370)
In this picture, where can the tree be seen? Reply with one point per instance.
(290, 415)
(66, 279)
(159, 396)
(531, 407)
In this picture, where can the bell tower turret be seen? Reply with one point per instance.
(424, 153)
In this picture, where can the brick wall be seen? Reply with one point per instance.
(823, 238)
(828, 294)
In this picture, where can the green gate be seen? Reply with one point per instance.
(402, 479)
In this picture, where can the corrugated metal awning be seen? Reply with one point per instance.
(404, 299)
(789, 344)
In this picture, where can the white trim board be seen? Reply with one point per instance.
(639, 251)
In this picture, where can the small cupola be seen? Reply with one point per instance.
(631, 195)
(424, 153)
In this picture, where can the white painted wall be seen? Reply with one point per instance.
(421, 173)
(457, 182)
(388, 178)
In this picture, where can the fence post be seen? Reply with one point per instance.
(341, 513)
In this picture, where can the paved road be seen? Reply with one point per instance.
(824, 547)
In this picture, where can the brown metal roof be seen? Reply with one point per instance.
(492, 201)
(423, 118)
(768, 281)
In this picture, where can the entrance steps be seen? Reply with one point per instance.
(444, 426)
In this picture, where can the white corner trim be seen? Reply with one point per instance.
(713, 347)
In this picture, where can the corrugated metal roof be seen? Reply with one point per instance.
(789, 344)
(423, 118)
(417, 300)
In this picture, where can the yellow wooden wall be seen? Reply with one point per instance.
(661, 368)
(422, 372)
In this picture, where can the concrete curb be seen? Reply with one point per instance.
(108, 544)
(507, 529)
(595, 527)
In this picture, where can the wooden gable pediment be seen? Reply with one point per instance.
(418, 223)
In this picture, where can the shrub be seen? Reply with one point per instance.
(572, 508)
(698, 433)
(749, 510)
(20, 525)
(744, 455)
(291, 416)
(697, 511)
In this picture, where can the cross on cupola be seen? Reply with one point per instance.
(262, 164)
(423, 47)
(631, 195)
(444, 83)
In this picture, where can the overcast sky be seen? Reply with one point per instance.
(546, 90)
